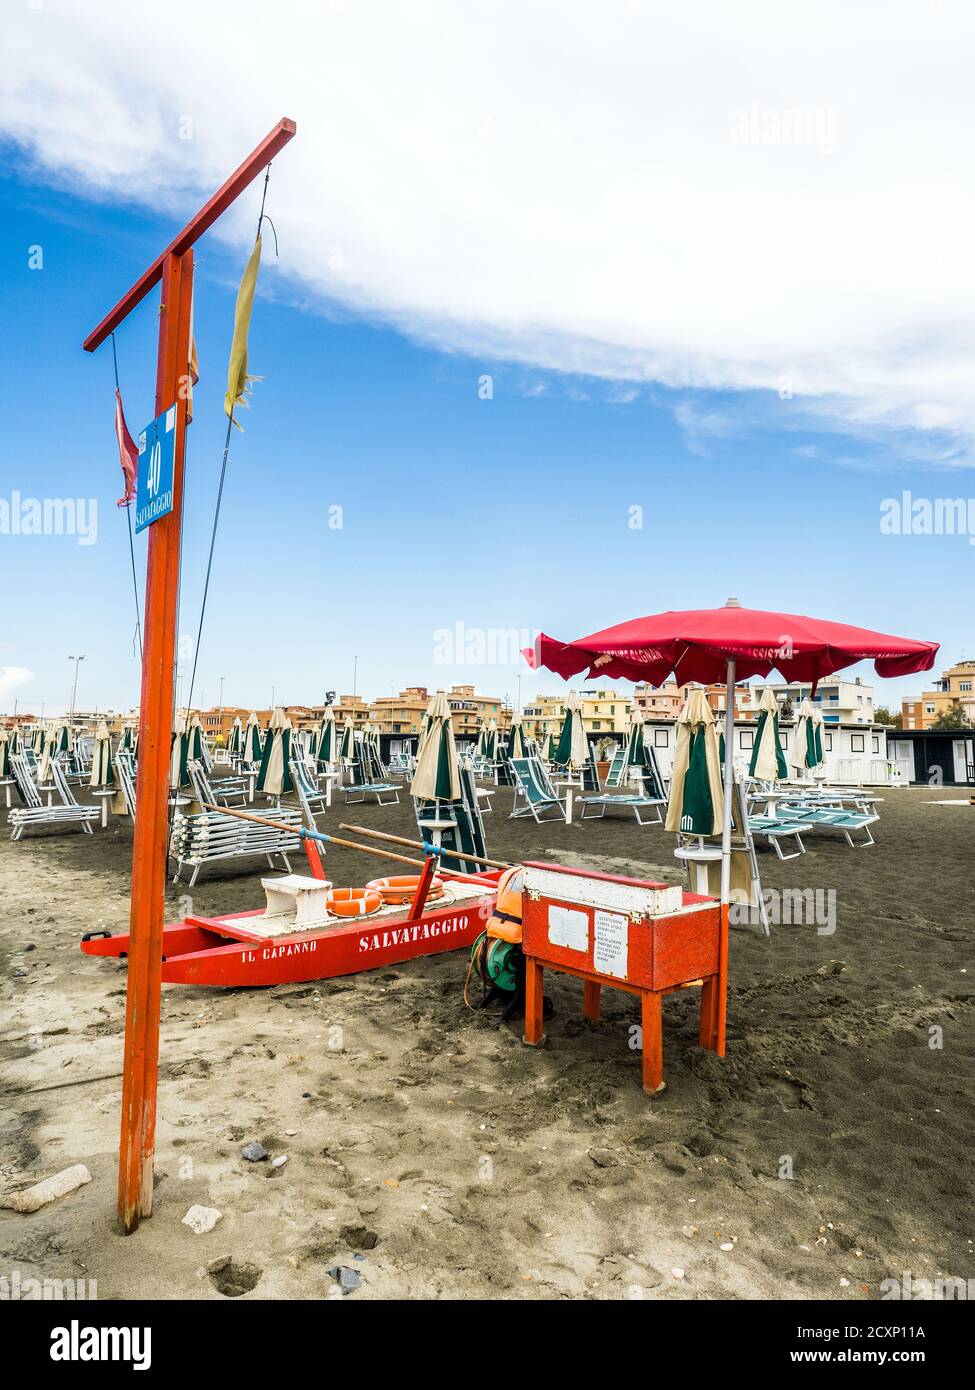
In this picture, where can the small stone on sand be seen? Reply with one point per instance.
(202, 1219)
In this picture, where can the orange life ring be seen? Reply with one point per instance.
(353, 902)
(403, 888)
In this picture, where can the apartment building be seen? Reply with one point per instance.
(840, 701)
(956, 688)
(603, 712)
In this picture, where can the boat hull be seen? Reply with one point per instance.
(221, 952)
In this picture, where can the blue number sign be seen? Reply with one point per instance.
(157, 453)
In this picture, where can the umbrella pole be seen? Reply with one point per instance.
(729, 787)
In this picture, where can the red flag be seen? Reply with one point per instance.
(128, 454)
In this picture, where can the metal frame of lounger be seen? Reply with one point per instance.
(35, 811)
(212, 837)
(837, 820)
(534, 788)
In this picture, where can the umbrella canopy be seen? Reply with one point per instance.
(807, 751)
(236, 741)
(729, 643)
(768, 761)
(127, 741)
(199, 750)
(547, 747)
(491, 741)
(636, 753)
(696, 803)
(5, 751)
(516, 739)
(101, 761)
(480, 747)
(327, 751)
(179, 751)
(253, 739)
(572, 749)
(437, 776)
(696, 645)
(57, 740)
(274, 777)
(347, 745)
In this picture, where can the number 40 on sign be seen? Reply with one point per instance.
(154, 485)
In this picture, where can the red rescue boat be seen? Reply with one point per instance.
(236, 950)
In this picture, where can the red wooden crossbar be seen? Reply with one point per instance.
(257, 160)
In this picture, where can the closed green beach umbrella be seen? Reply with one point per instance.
(768, 761)
(437, 776)
(696, 798)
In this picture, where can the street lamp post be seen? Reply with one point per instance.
(74, 689)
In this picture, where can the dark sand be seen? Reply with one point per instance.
(459, 1163)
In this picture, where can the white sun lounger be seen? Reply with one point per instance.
(35, 811)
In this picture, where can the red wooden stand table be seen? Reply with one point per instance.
(645, 938)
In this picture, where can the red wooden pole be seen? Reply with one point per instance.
(174, 267)
(141, 1058)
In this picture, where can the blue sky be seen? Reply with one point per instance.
(501, 513)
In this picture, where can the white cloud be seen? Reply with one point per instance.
(12, 679)
(718, 196)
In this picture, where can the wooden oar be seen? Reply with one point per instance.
(419, 844)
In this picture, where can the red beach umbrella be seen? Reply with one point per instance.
(729, 644)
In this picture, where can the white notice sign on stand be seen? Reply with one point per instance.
(609, 950)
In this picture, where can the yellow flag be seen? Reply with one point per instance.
(237, 379)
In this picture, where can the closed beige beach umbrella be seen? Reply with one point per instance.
(437, 776)
(696, 796)
(274, 777)
(807, 751)
(101, 760)
(768, 761)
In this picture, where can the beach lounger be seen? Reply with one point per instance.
(777, 828)
(534, 794)
(35, 811)
(842, 820)
(356, 791)
(212, 836)
(595, 807)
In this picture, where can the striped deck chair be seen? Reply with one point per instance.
(590, 773)
(616, 776)
(35, 811)
(534, 794)
(310, 795)
(466, 834)
(226, 791)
